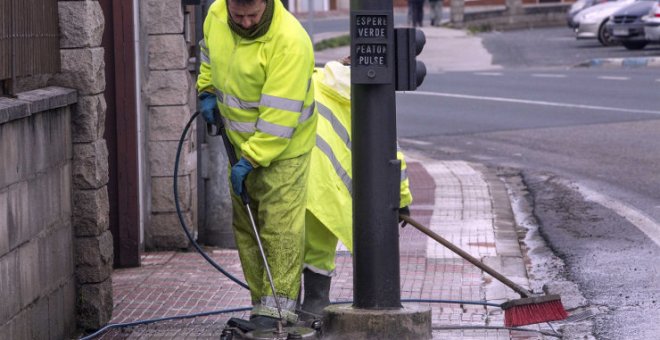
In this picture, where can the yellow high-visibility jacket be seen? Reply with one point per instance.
(329, 189)
(264, 88)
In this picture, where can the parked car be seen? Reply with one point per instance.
(591, 21)
(652, 23)
(578, 6)
(626, 24)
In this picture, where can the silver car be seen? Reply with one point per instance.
(652, 24)
(626, 24)
(578, 6)
(593, 19)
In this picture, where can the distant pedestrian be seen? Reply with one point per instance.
(436, 12)
(416, 12)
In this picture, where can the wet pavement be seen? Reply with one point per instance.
(463, 202)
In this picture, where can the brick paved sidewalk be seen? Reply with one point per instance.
(458, 200)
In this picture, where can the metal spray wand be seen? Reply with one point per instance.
(231, 155)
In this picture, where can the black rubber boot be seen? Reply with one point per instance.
(317, 294)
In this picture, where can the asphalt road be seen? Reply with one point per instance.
(614, 263)
(586, 143)
(606, 137)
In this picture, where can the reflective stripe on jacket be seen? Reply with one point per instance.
(263, 86)
(329, 190)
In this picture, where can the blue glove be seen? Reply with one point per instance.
(239, 171)
(404, 211)
(207, 103)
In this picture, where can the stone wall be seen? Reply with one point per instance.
(37, 281)
(514, 16)
(81, 30)
(168, 94)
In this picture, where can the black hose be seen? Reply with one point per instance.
(167, 318)
(186, 230)
(242, 309)
(178, 208)
(517, 329)
(455, 302)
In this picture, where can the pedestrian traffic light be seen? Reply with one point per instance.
(410, 72)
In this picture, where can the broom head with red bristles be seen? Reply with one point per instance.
(530, 310)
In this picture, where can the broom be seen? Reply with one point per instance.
(531, 308)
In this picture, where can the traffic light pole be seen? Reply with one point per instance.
(376, 171)
(377, 312)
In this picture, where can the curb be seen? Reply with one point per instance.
(634, 62)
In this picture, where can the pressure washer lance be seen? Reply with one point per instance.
(231, 155)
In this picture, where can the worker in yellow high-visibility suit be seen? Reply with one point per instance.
(329, 214)
(256, 68)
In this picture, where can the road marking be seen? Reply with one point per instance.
(548, 75)
(531, 102)
(613, 78)
(488, 73)
(634, 216)
(414, 141)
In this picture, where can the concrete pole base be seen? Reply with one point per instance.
(345, 322)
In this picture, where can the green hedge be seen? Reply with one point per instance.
(338, 41)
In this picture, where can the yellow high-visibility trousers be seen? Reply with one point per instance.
(278, 198)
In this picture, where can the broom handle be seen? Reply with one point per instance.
(460, 252)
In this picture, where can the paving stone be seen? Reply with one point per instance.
(453, 198)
